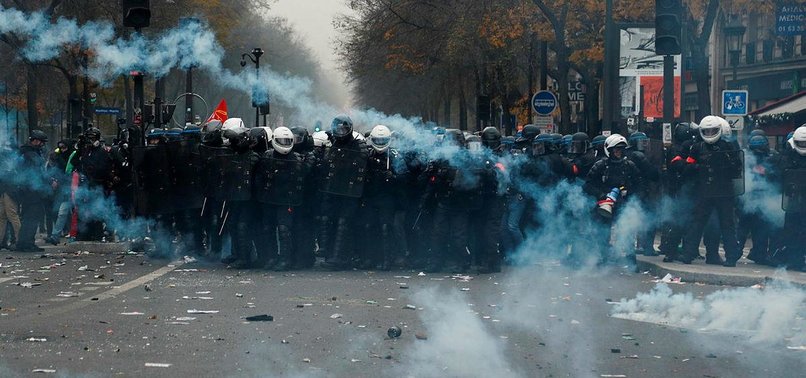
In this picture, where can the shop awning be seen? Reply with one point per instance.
(793, 104)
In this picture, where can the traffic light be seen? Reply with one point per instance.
(668, 25)
(136, 13)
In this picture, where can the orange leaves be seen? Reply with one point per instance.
(500, 28)
(405, 58)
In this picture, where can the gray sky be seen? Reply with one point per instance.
(313, 19)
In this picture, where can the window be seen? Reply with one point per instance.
(766, 53)
(787, 45)
(750, 54)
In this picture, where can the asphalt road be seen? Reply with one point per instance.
(113, 313)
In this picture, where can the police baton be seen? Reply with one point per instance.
(417, 220)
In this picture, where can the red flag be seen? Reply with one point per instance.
(220, 112)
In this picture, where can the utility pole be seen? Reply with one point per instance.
(189, 99)
(609, 79)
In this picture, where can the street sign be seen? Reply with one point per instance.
(101, 110)
(790, 19)
(736, 123)
(545, 124)
(667, 133)
(544, 103)
(734, 102)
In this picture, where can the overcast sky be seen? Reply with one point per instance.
(313, 19)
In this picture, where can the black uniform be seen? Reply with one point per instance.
(382, 190)
(793, 173)
(650, 175)
(32, 197)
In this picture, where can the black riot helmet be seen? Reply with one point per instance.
(38, 135)
(759, 144)
(92, 134)
(491, 137)
(542, 144)
(579, 143)
(683, 131)
(455, 136)
(259, 139)
(341, 127)
(529, 132)
(238, 139)
(639, 141)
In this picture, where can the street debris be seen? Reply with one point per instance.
(368, 302)
(157, 364)
(465, 289)
(615, 350)
(421, 336)
(185, 318)
(284, 341)
(613, 376)
(131, 313)
(260, 318)
(147, 287)
(36, 339)
(29, 285)
(188, 259)
(403, 285)
(799, 347)
(461, 278)
(633, 356)
(394, 332)
(67, 294)
(43, 371)
(355, 360)
(668, 278)
(202, 311)
(410, 307)
(336, 316)
(83, 268)
(757, 286)
(306, 360)
(204, 298)
(238, 295)
(421, 274)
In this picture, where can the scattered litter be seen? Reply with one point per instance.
(67, 294)
(465, 289)
(157, 364)
(685, 359)
(29, 284)
(391, 299)
(185, 318)
(461, 278)
(421, 274)
(83, 268)
(669, 279)
(406, 277)
(36, 339)
(799, 347)
(410, 307)
(147, 287)
(633, 356)
(421, 336)
(354, 360)
(403, 286)
(189, 259)
(203, 292)
(204, 298)
(131, 313)
(658, 357)
(202, 311)
(336, 316)
(574, 321)
(284, 341)
(613, 376)
(239, 295)
(394, 332)
(757, 286)
(306, 360)
(615, 350)
(177, 323)
(627, 337)
(710, 355)
(372, 302)
(260, 318)
(43, 371)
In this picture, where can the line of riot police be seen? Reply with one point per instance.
(457, 200)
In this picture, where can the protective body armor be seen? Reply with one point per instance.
(344, 169)
(280, 179)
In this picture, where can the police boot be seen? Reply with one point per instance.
(285, 247)
(715, 259)
(386, 249)
(336, 260)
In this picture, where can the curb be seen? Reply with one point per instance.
(746, 274)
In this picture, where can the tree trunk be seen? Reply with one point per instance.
(32, 92)
(462, 108)
(127, 92)
(562, 82)
(701, 77)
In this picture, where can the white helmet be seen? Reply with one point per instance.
(798, 141)
(380, 137)
(613, 141)
(711, 128)
(283, 140)
(321, 139)
(233, 123)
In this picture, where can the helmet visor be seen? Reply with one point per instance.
(710, 132)
(800, 144)
(341, 129)
(642, 144)
(539, 148)
(284, 142)
(380, 142)
(578, 147)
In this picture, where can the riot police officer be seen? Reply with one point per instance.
(342, 171)
(793, 164)
(239, 210)
(650, 174)
(761, 167)
(719, 168)
(582, 156)
(279, 188)
(96, 167)
(610, 180)
(187, 191)
(35, 190)
(678, 186)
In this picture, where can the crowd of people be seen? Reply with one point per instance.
(433, 199)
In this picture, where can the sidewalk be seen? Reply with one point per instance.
(746, 272)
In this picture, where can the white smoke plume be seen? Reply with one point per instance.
(773, 314)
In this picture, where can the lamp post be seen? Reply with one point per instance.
(254, 56)
(734, 33)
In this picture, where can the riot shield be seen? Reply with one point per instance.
(152, 179)
(464, 189)
(794, 191)
(344, 172)
(237, 179)
(185, 162)
(721, 173)
(213, 161)
(280, 181)
(654, 152)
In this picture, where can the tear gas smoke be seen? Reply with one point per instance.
(771, 315)
(761, 195)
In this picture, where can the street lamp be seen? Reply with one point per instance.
(254, 56)
(734, 32)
